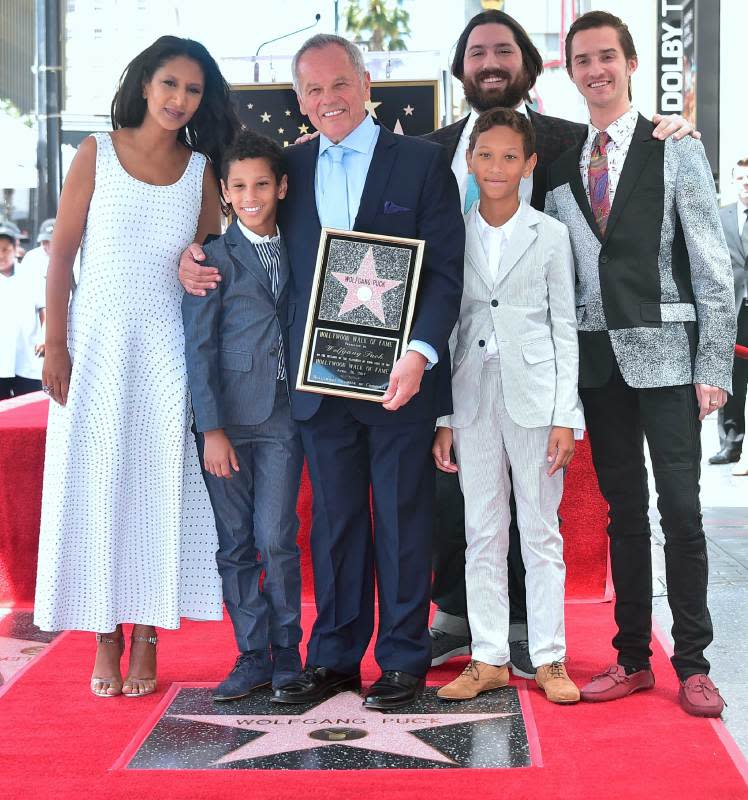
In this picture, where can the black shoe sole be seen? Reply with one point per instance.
(386, 705)
(225, 698)
(344, 685)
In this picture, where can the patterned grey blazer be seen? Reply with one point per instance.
(655, 293)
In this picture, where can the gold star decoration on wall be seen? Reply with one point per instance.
(371, 107)
(265, 117)
(303, 128)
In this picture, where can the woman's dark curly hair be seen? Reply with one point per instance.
(214, 124)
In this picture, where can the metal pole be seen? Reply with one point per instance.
(48, 102)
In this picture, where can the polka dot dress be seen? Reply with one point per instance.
(127, 531)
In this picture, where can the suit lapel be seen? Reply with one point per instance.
(571, 168)
(731, 229)
(474, 251)
(244, 255)
(377, 179)
(283, 267)
(523, 235)
(641, 148)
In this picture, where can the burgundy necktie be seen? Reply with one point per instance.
(598, 181)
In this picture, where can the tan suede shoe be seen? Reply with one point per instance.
(477, 677)
(555, 682)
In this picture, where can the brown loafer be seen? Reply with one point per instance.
(699, 697)
(614, 683)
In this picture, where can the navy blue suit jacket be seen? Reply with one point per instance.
(410, 191)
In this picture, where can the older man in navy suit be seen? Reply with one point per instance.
(358, 175)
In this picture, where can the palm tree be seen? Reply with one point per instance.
(385, 25)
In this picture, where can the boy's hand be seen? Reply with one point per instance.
(219, 456)
(405, 380)
(196, 278)
(673, 125)
(441, 450)
(560, 448)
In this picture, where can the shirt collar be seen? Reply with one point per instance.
(359, 139)
(619, 130)
(253, 237)
(506, 229)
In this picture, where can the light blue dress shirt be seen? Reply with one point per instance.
(359, 144)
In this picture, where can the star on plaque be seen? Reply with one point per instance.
(250, 106)
(364, 287)
(287, 113)
(265, 117)
(341, 720)
(371, 107)
(280, 130)
(303, 128)
(409, 110)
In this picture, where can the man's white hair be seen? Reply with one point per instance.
(322, 40)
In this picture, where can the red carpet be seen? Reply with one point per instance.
(61, 742)
(22, 435)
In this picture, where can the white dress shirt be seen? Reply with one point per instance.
(21, 298)
(621, 133)
(494, 242)
(253, 237)
(459, 162)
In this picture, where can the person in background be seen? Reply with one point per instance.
(731, 417)
(38, 258)
(22, 318)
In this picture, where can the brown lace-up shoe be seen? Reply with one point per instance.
(555, 682)
(699, 697)
(477, 677)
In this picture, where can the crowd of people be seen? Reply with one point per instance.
(574, 277)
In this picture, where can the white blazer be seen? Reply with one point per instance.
(530, 308)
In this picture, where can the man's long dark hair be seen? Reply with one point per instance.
(531, 58)
(214, 124)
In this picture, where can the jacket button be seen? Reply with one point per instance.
(604, 259)
(494, 303)
(481, 342)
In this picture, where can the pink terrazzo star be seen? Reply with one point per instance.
(365, 287)
(337, 721)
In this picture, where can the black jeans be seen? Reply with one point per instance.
(448, 587)
(15, 386)
(618, 418)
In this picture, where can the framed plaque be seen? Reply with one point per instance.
(360, 313)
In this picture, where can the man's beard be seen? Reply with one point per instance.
(509, 97)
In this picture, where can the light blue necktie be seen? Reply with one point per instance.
(472, 193)
(333, 206)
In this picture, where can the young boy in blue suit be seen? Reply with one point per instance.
(236, 349)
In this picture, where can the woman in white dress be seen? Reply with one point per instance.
(127, 532)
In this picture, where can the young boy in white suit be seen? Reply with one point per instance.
(516, 407)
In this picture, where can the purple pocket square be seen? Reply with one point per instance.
(394, 208)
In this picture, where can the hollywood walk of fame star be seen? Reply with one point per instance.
(365, 287)
(409, 110)
(371, 107)
(303, 129)
(341, 720)
(265, 117)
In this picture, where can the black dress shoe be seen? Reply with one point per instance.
(316, 683)
(727, 455)
(393, 690)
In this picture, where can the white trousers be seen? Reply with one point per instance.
(486, 451)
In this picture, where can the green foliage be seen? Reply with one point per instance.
(10, 110)
(386, 26)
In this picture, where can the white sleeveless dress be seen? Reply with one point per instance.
(127, 531)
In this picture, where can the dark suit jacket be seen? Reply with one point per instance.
(659, 281)
(232, 336)
(729, 217)
(553, 136)
(410, 191)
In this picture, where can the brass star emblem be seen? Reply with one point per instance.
(303, 129)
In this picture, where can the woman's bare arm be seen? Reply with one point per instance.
(69, 227)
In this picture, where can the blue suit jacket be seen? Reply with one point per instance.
(232, 336)
(410, 191)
